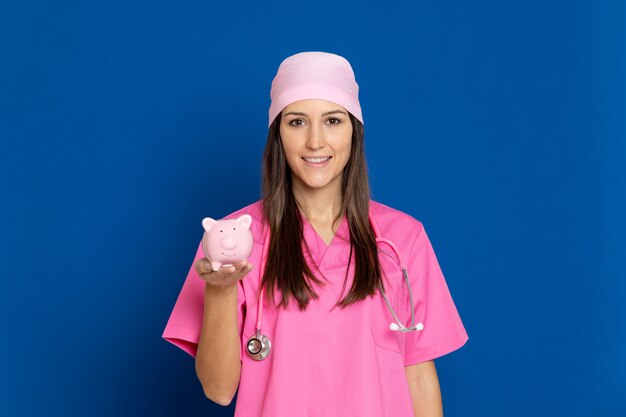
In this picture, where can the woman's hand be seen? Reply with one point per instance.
(224, 277)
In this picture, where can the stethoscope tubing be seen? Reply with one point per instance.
(379, 239)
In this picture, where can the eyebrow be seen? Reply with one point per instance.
(324, 114)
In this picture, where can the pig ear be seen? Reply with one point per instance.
(246, 219)
(207, 222)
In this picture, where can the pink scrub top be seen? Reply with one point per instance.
(329, 361)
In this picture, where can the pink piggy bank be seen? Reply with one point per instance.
(226, 242)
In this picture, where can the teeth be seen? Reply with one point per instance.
(317, 159)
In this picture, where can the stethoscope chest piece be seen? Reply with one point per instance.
(258, 347)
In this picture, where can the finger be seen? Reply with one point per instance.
(199, 266)
(206, 267)
(244, 271)
(203, 266)
(241, 264)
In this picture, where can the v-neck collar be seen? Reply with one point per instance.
(320, 252)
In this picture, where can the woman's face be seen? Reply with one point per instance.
(317, 137)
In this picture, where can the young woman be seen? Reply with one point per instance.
(327, 323)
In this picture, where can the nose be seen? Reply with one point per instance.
(315, 137)
(229, 242)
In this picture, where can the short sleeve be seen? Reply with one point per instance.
(443, 330)
(185, 322)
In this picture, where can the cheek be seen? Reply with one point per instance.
(290, 153)
(291, 156)
(347, 141)
(347, 148)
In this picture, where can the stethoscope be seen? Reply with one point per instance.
(259, 345)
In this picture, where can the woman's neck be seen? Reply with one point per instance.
(319, 205)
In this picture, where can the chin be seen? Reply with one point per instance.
(314, 186)
(317, 185)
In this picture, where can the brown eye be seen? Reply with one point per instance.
(291, 123)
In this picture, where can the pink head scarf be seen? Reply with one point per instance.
(315, 75)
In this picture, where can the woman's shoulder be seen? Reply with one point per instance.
(255, 210)
(393, 222)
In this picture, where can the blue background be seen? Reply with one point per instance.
(500, 125)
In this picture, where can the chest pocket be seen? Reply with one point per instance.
(380, 318)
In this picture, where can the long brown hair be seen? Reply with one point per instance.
(286, 268)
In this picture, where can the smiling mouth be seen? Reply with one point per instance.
(230, 255)
(317, 160)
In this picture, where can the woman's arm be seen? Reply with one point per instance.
(217, 359)
(424, 388)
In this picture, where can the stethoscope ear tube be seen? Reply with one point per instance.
(398, 324)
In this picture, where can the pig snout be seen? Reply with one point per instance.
(229, 242)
